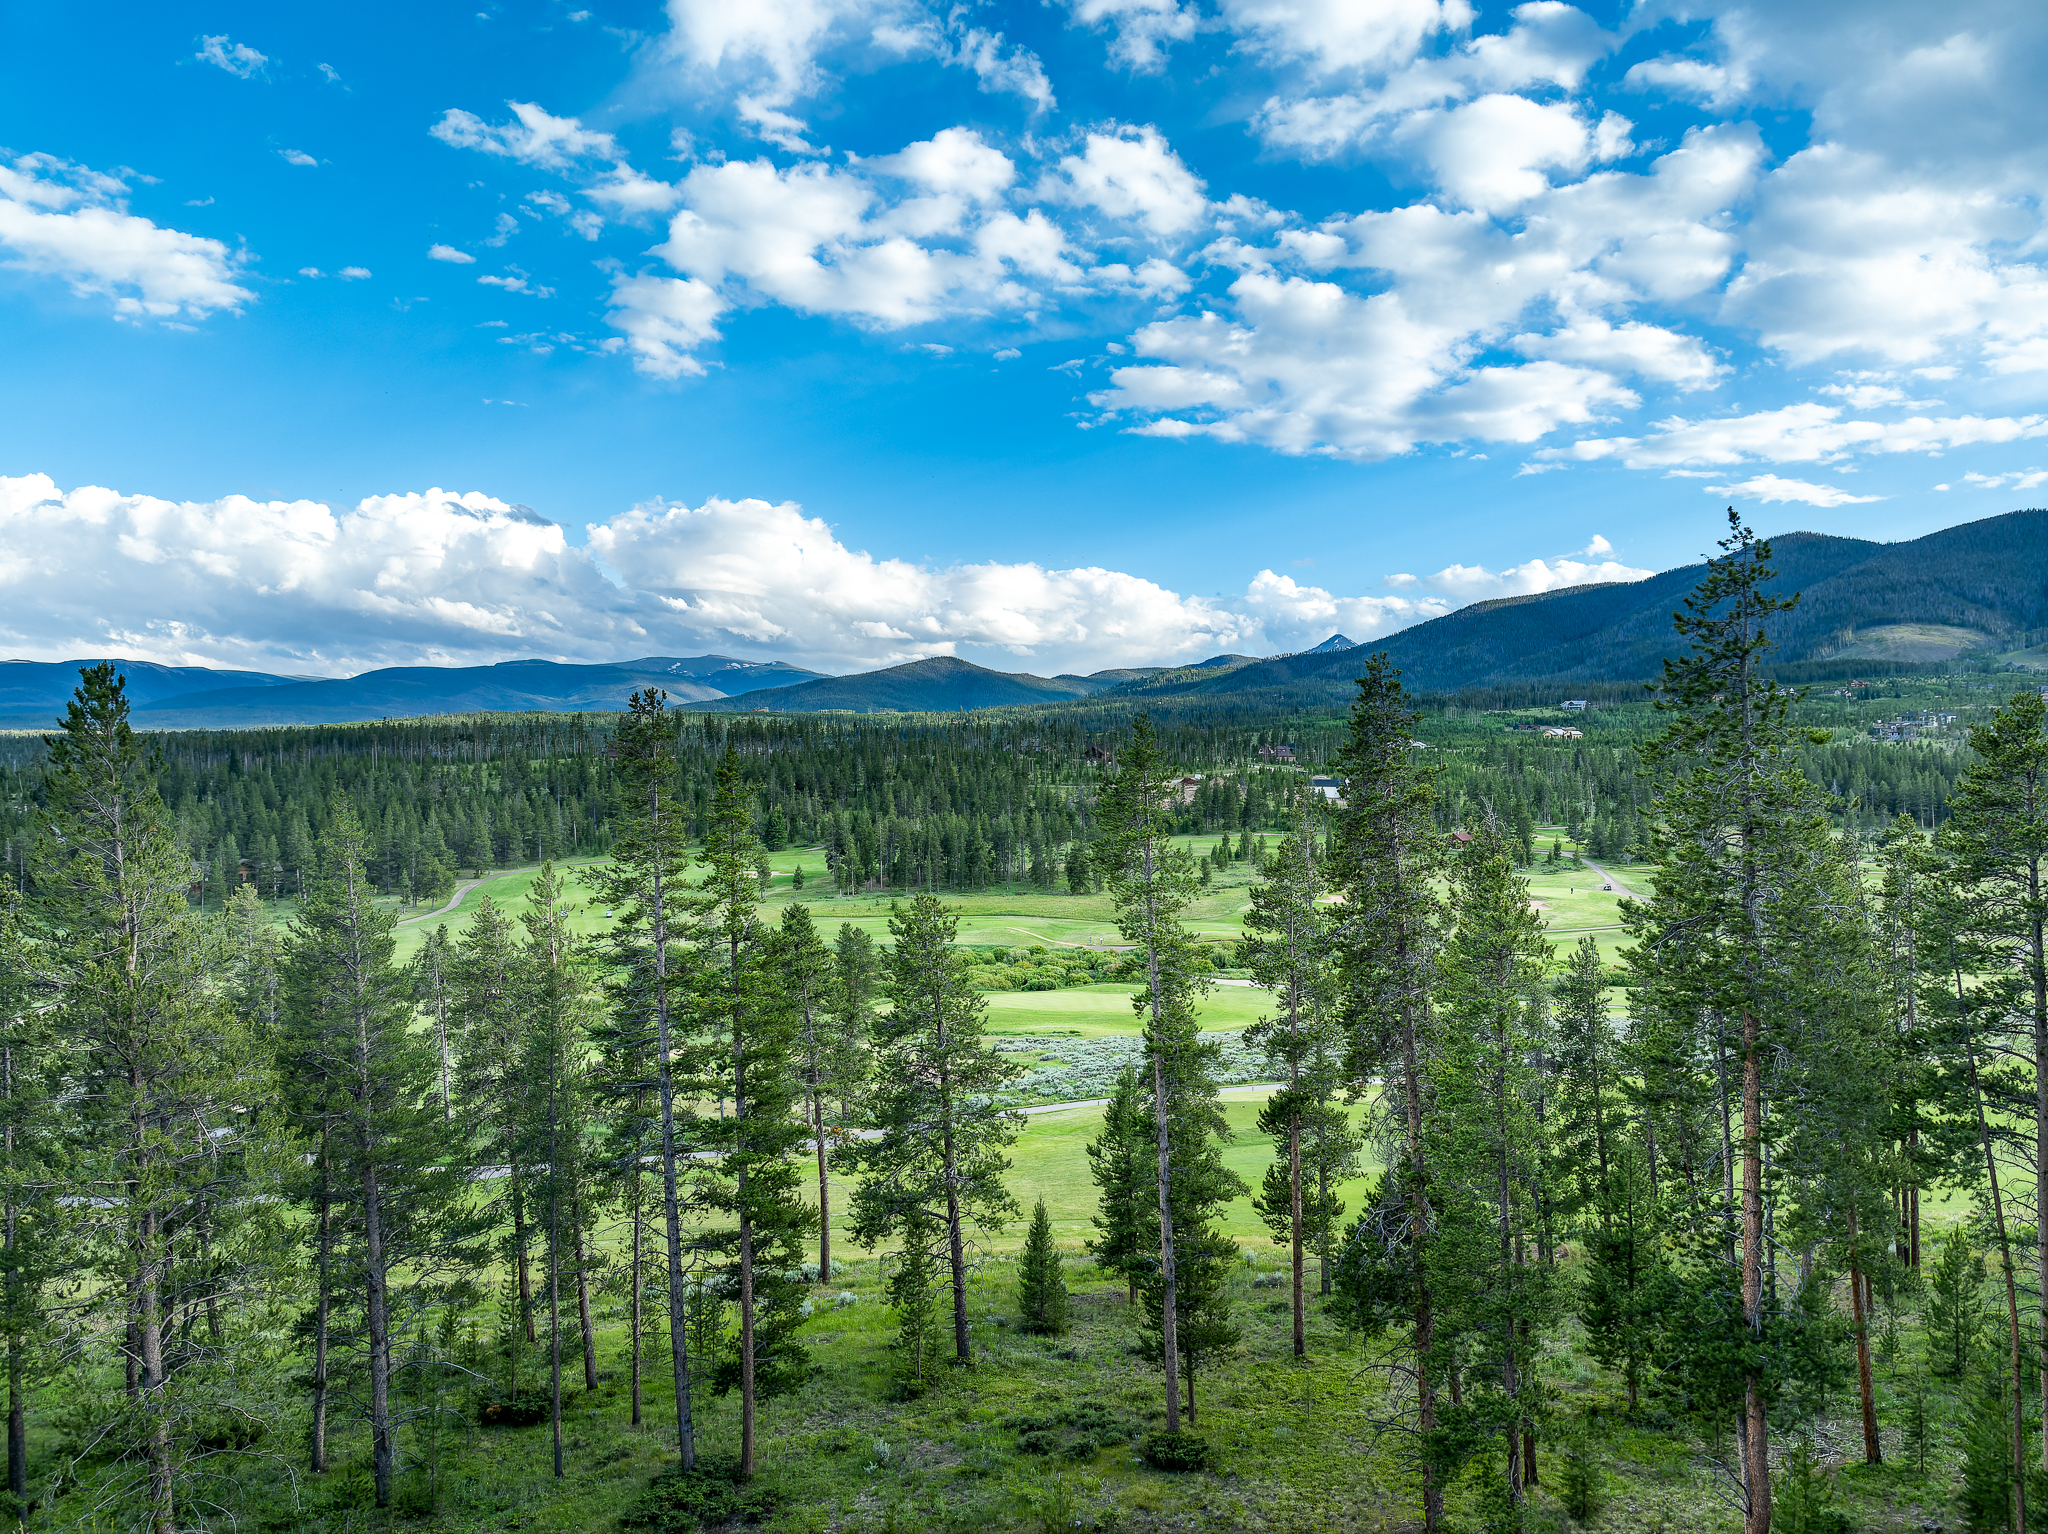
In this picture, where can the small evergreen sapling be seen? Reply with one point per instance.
(1954, 1309)
(1120, 1166)
(1041, 1288)
(1807, 1503)
(912, 1296)
(1986, 1492)
(1580, 1482)
(1915, 1433)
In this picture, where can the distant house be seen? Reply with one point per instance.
(1462, 838)
(1561, 732)
(1097, 754)
(1187, 788)
(1276, 753)
(1329, 788)
(1578, 704)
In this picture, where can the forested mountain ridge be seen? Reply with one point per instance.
(936, 684)
(1988, 579)
(516, 686)
(1981, 587)
(41, 688)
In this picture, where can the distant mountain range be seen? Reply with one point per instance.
(1981, 587)
(32, 693)
(1976, 590)
(945, 684)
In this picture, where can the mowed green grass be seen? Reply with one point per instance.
(1050, 1161)
(1572, 903)
(1100, 1011)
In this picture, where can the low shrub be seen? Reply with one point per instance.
(521, 1410)
(680, 1501)
(1175, 1451)
(1073, 1432)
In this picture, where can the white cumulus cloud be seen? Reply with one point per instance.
(68, 222)
(662, 321)
(1140, 30)
(534, 136)
(1802, 433)
(1131, 173)
(1464, 584)
(237, 59)
(1769, 487)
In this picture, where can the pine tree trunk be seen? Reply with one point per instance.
(1873, 1453)
(672, 1215)
(17, 1406)
(150, 1383)
(382, 1449)
(2012, 1299)
(2037, 962)
(1510, 1260)
(1169, 1331)
(1323, 1238)
(17, 1424)
(583, 1308)
(1425, 1321)
(956, 1247)
(739, 1140)
(1294, 1197)
(1756, 1431)
(519, 1252)
(555, 1341)
(1169, 1319)
(746, 1337)
(639, 1235)
(824, 1187)
(323, 1216)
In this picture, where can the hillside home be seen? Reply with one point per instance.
(1276, 753)
(1577, 704)
(1330, 788)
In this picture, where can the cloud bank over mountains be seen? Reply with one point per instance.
(440, 577)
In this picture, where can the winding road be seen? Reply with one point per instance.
(454, 900)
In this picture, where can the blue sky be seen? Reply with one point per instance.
(1056, 336)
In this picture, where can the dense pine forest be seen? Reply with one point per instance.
(709, 1220)
(924, 803)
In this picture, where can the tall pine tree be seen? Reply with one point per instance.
(1386, 857)
(1996, 837)
(1152, 883)
(349, 1012)
(746, 1057)
(941, 1138)
(1736, 949)
(1288, 953)
(159, 1062)
(647, 883)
